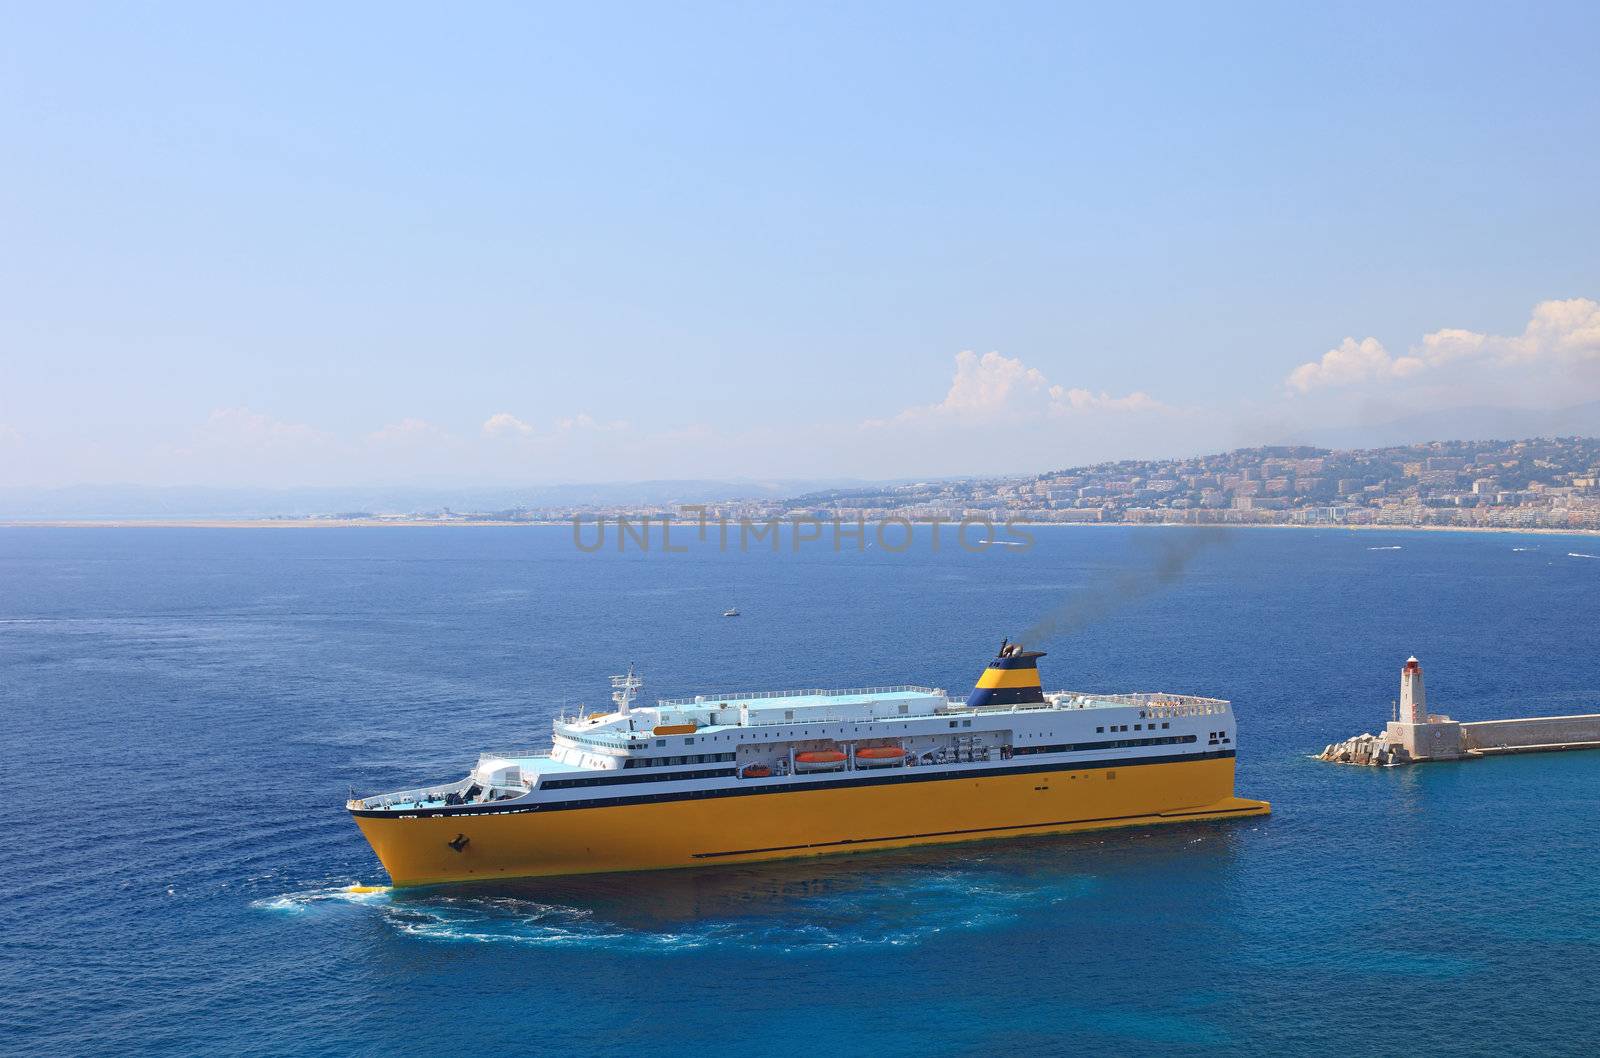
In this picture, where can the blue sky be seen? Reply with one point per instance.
(286, 245)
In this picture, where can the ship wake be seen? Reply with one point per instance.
(823, 912)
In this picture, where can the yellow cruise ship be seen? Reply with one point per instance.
(739, 778)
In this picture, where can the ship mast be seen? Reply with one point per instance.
(624, 689)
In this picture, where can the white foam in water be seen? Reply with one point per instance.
(301, 902)
(1580, 554)
(893, 910)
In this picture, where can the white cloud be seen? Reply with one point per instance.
(1566, 331)
(241, 427)
(584, 421)
(9, 435)
(1558, 333)
(1069, 400)
(1352, 362)
(409, 432)
(991, 384)
(996, 387)
(504, 423)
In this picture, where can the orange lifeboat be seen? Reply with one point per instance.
(819, 760)
(878, 756)
(756, 771)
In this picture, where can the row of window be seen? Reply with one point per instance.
(614, 779)
(691, 758)
(767, 736)
(763, 737)
(611, 779)
(1121, 743)
(718, 758)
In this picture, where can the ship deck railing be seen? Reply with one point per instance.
(1158, 702)
(723, 700)
(421, 795)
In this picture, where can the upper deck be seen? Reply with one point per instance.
(767, 708)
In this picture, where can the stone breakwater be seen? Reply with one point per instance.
(1367, 749)
(1444, 739)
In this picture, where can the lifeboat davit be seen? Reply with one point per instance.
(819, 760)
(879, 756)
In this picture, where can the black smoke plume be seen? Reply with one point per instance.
(1170, 552)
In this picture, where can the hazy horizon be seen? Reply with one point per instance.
(113, 500)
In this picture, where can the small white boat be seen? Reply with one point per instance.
(732, 611)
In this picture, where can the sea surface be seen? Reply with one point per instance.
(184, 711)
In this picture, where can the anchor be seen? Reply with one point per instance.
(459, 842)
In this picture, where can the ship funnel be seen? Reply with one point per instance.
(1012, 678)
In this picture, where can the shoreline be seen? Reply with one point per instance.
(425, 523)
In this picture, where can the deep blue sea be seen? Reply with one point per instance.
(184, 712)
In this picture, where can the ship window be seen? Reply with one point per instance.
(1139, 727)
(952, 723)
(688, 742)
(966, 723)
(1099, 730)
(661, 742)
(904, 708)
(1165, 726)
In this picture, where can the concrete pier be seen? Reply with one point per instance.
(1419, 736)
(1540, 734)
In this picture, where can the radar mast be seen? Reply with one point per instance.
(624, 689)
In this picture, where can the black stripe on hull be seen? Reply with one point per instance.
(765, 788)
(974, 830)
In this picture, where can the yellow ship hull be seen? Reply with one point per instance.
(696, 832)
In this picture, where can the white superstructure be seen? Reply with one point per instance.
(711, 742)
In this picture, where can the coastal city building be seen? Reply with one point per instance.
(1542, 483)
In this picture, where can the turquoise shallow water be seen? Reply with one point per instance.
(185, 709)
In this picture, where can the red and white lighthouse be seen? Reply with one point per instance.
(1413, 699)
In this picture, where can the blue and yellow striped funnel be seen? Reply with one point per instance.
(1012, 678)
